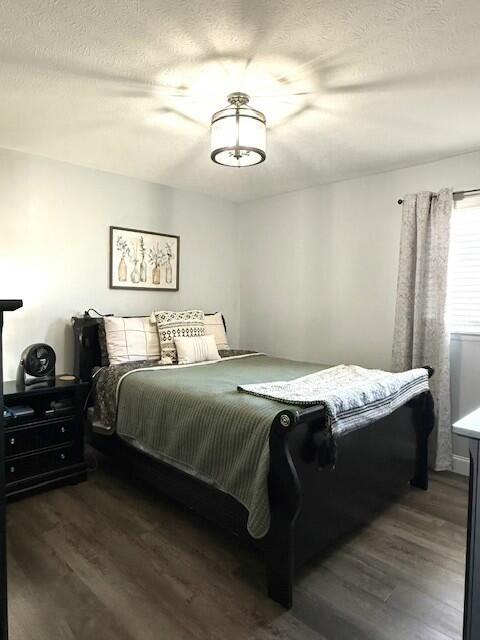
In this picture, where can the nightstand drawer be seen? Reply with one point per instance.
(44, 435)
(39, 463)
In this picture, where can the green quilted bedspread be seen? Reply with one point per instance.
(195, 419)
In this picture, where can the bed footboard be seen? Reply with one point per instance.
(311, 506)
(424, 419)
(285, 500)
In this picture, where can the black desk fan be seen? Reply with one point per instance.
(37, 365)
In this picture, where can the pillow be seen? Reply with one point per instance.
(177, 324)
(214, 327)
(201, 349)
(130, 339)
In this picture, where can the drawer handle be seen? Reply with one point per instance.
(62, 429)
(12, 469)
(62, 456)
(12, 440)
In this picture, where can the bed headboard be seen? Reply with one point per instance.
(86, 347)
(87, 352)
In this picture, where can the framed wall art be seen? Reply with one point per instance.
(144, 260)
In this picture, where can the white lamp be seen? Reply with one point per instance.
(238, 134)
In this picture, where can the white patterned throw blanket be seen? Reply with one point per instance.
(352, 396)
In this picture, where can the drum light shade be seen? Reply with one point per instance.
(238, 134)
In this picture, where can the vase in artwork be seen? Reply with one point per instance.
(143, 271)
(135, 275)
(168, 272)
(122, 270)
(156, 275)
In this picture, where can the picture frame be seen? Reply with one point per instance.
(143, 260)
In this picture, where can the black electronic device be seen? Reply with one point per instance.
(21, 411)
(59, 408)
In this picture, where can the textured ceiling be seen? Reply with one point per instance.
(348, 87)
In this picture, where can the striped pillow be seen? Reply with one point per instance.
(130, 339)
(191, 350)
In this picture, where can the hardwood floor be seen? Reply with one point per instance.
(109, 560)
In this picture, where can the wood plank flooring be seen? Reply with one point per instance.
(110, 560)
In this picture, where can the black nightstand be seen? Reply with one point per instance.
(44, 450)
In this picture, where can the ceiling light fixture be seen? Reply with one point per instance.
(238, 133)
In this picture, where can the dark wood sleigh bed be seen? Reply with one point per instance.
(311, 507)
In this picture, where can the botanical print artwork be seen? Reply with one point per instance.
(143, 260)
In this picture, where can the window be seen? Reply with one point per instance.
(464, 269)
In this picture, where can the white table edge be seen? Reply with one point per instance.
(469, 426)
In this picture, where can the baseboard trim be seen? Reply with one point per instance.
(461, 465)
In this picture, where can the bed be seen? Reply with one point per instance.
(311, 503)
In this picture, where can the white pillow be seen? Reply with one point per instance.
(214, 327)
(200, 349)
(130, 339)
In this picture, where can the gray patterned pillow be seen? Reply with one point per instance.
(177, 324)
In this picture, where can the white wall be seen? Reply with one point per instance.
(319, 266)
(318, 270)
(54, 242)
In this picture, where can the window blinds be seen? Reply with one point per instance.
(463, 302)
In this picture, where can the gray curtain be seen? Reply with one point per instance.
(421, 335)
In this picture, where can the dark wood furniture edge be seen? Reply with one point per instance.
(471, 608)
(471, 617)
(285, 494)
(5, 305)
(78, 473)
(424, 421)
(10, 305)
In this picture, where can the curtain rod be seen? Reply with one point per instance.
(455, 193)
